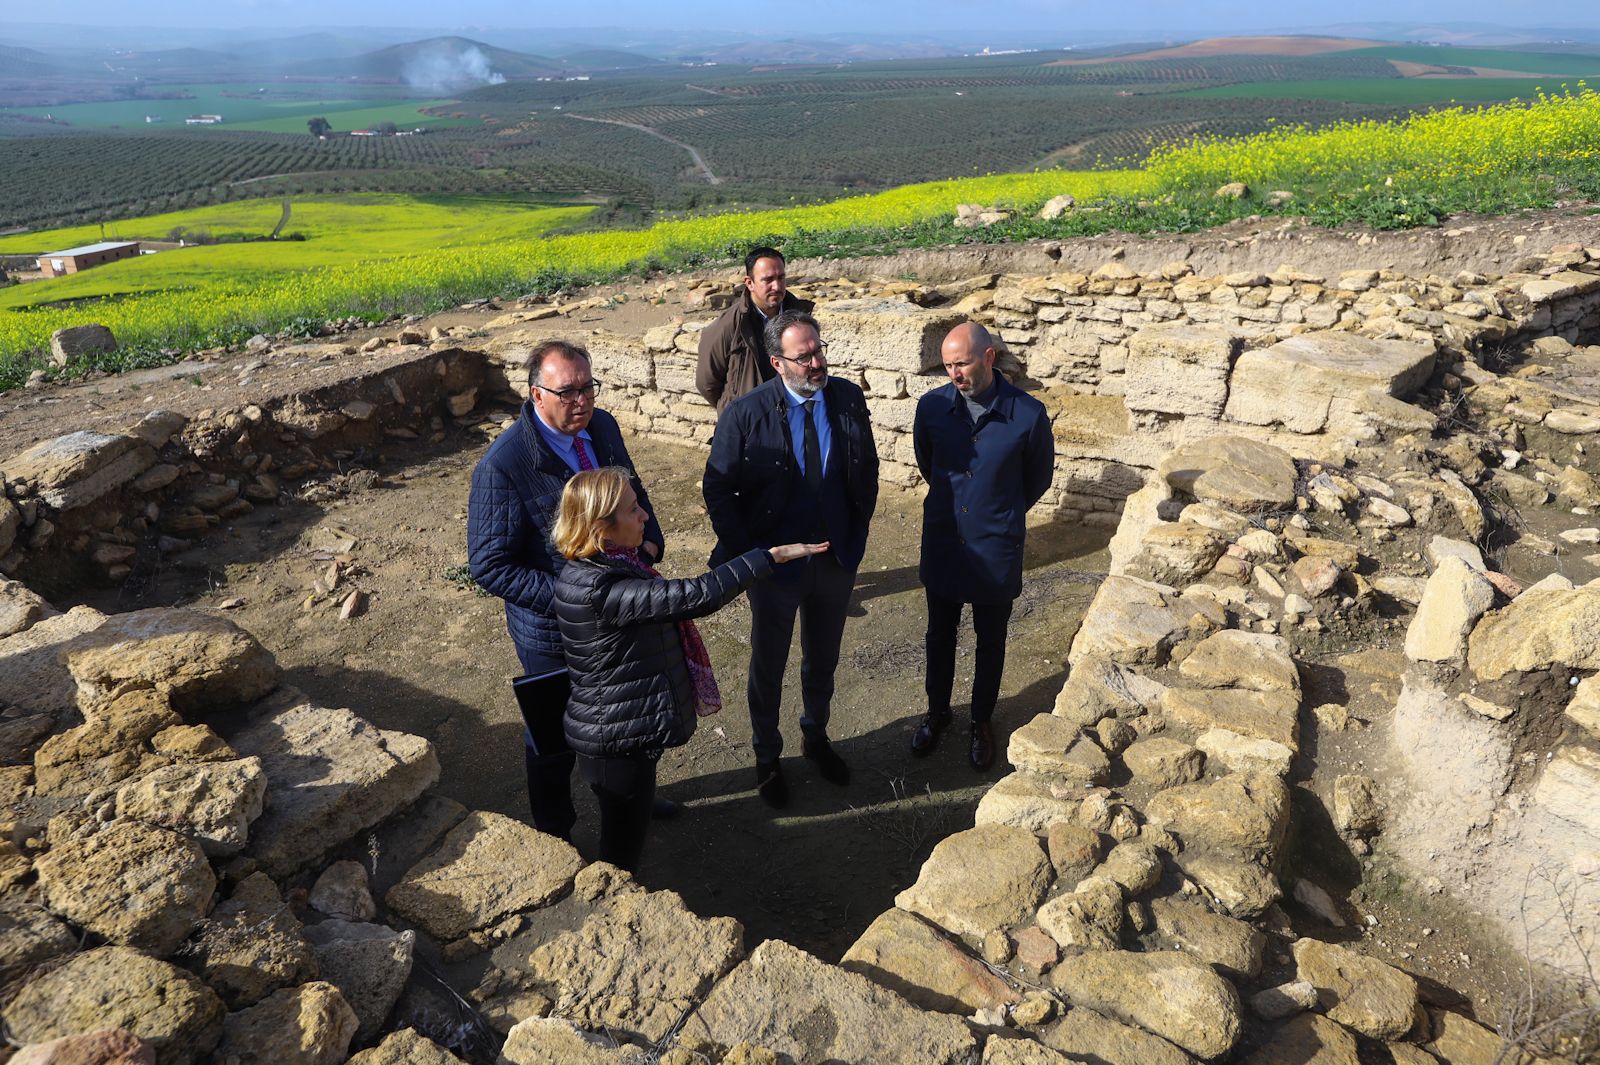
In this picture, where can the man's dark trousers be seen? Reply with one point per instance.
(549, 775)
(820, 594)
(989, 621)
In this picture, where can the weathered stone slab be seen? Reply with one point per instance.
(1569, 788)
(1225, 942)
(1271, 716)
(1084, 1036)
(200, 662)
(76, 469)
(19, 607)
(1090, 917)
(1180, 368)
(1242, 887)
(1456, 596)
(118, 987)
(252, 945)
(1176, 553)
(77, 341)
(330, 776)
(913, 958)
(784, 999)
(1171, 995)
(1541, 627)
(368, 963)
(1295, 382)
(1053, 746)
(132, 883)
(1362, 993)
(29, 934)
(983, 880)
(1130, 622)
(1163, 762)
(306, 1025)
(1098, 688)
(1308, 1039)
(212, 803)
(1026, 800)
(1233, 471)
(32, 675)
(547, 1040)
(1245, 814)
(1234, 659)
(639, 961)
(1242, 754)
(888, 334)
(489, 867)
(405, 1047)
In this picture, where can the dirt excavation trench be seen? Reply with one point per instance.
(430, 657)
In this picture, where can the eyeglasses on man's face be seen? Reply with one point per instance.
(574, 394)
(819, 352)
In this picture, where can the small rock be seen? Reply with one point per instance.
(1285, 1000)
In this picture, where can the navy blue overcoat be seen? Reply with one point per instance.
(981, 481)
(516, 488)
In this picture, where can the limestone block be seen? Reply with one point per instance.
(252, 945)
(983, 880)
(1296, 382)
(306, 1025)
(29, 935)
(1308, 1039)
(546, 1040)
(1568, 787)
(1089, 917)
(1239, 754)
(1541, 627)
(907, 955)
(1271, 716)
(119, 987)
(132, 883)
(1225, 942)
(487, 868)
(1051, 746)
(330, 776)
(1235, 472)
(1180, 369)
(76, 469)
(368, 963)
(1130, 622)
(405, 1047)
(1245, 814)
(1176, 553)
(1235, 659)
(786, 1000)
(1455, 597)
(212, 803)
(1169, 994)
(1163, 762)
(1359, 992)
(1084, 1035)
(1026, 800)
(78, 341)
(637, 964)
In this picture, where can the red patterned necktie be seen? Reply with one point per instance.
(584, 461)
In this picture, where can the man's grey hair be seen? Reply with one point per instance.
(772, 335)
(564, 349)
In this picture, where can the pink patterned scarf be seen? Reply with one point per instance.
(707, 696)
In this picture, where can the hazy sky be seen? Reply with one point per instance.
(907, 17)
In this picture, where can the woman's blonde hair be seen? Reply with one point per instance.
(589, 503)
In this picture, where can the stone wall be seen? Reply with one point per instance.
(1131, 365)
(84, 506)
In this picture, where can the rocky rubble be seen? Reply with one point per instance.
(202, 864)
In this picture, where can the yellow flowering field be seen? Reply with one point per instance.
(1495, 158)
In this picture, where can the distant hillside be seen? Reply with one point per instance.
(23, 62)
(607, 59)
(817, 51)
(435, 65)
(1286, 45)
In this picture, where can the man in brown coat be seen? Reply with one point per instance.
(733, 359)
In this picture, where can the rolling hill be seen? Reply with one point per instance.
(435, 65)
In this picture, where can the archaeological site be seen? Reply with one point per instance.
(1300, 732)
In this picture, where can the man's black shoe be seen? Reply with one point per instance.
(665, 809)
(770, 783)
(926, 738)
(829, 764)
(981, 753)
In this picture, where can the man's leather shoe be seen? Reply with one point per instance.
(829, 764)
(663, 809)
(981, 753)
(926, 738)
(770, 783)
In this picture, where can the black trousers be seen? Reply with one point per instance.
(626, 790)
(820, 595)
(989, 622)
(549, 775)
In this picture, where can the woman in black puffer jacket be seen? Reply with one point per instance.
(640, 675)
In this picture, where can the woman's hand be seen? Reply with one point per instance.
(790, 552)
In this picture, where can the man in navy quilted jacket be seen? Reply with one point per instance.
(516, 488)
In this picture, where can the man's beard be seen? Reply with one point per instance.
(807, 388)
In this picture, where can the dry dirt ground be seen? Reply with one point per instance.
(429, 656)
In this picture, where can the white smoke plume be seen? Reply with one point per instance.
(445, 68)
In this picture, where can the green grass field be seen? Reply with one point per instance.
(1399, 92)
(281, 109)
(338, 231)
